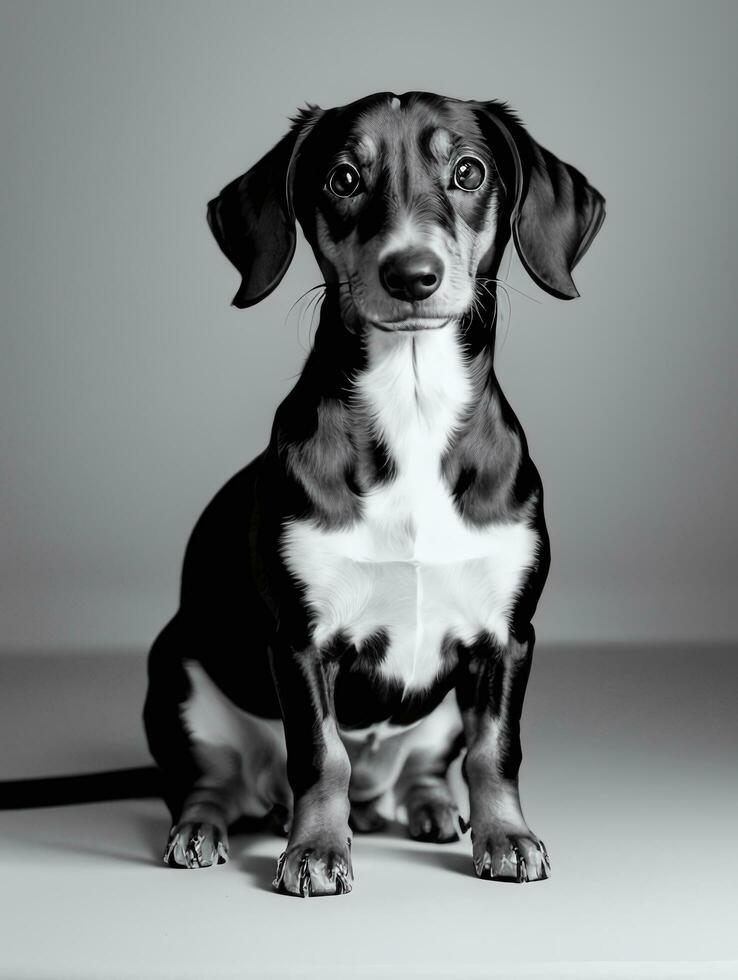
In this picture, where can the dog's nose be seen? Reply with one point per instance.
(411, 275)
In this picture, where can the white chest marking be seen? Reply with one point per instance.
(411, 565)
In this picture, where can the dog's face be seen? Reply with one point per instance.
(408, 203)
(404, 208)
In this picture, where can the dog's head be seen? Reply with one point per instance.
(407, 202)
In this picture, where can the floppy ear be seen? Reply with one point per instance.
(555, 213)
(253, 218)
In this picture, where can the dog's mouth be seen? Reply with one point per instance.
(412, 323)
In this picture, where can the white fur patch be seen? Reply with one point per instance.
(411, 565)
(221, 732)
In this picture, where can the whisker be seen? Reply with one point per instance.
(506, 321)
(310, 308)
(482, 285)
(507, 285)
(319, 291)
(312, 289)
(314, 306)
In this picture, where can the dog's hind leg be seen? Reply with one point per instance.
(218, 762)
(432, 812)
(410, 763)
(423, 789)
(199, 836)
(192, 787)
(375, 767)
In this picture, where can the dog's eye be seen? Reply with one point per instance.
(469, 174)
(344, 180)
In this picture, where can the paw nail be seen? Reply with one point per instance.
(522, 870)
(280, 870)
(304, 882)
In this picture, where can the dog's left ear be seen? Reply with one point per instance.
(253, 218)
(555, 212)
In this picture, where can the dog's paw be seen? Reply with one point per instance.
(196, 845)
(503, 855)
(310, 868)
(435, 820)
(366, 819)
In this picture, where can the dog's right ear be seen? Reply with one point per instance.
(253, 218)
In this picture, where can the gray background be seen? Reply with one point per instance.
(131, 390)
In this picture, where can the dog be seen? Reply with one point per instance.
(357, 602)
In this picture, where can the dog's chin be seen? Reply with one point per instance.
(412, 324)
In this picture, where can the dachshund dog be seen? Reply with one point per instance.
(356, 603)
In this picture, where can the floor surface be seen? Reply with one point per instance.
(629, 776)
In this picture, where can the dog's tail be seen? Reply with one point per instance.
(94, 787)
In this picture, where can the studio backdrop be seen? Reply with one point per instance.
(131, 390)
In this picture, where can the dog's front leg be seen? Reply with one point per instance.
(490, 692)
(317, 860)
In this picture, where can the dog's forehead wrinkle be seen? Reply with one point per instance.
(393, 124)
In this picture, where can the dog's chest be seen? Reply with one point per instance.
(410, 566)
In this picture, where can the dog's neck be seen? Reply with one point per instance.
(428, 366)
(413, 393)
(341, 351)
(367, 406)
